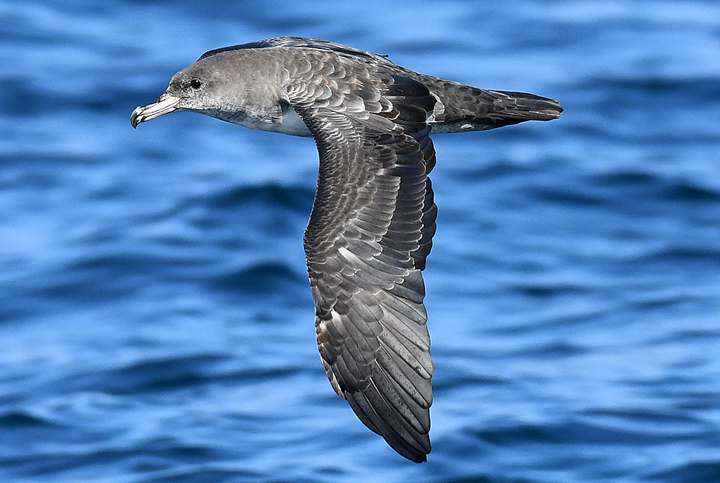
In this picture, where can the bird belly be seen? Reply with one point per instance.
(292, 123)
(289, 122)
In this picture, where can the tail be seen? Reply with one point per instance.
(462, 108)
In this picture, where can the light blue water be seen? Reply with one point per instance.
(156, 323)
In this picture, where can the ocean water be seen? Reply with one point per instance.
(156, 323)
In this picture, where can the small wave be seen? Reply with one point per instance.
(144, 376)
(268, 195)
(707, 471)
(21, 420)
(656, 185)
(269, 277)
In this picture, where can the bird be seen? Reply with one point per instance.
(373, 216)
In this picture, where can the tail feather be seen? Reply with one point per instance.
(463, 108)
(527, 107)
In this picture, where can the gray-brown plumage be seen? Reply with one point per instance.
(373, 218)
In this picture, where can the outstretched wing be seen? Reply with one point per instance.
(369, 233)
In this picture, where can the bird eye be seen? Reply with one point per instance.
(195, 84)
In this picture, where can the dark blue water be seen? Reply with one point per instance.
(156, 323)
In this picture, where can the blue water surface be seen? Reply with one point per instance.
(156, 323)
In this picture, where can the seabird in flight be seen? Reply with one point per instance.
(373, 217)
